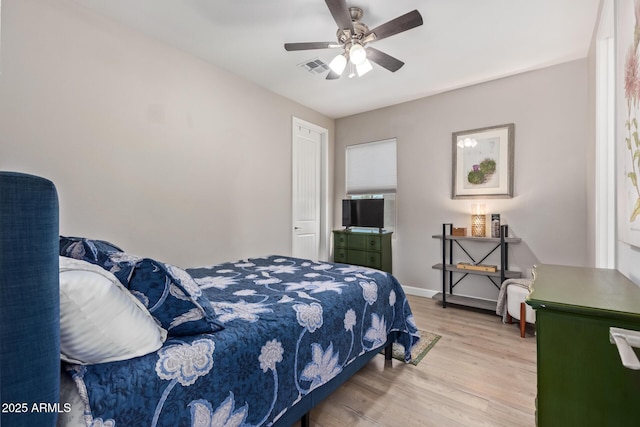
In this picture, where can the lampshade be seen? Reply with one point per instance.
(338, 63)
(364, 67)
(478, 220)
(478, 209)
(357, 54)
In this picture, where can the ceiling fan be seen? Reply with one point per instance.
(354, 37)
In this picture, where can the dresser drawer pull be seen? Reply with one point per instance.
(625, 339)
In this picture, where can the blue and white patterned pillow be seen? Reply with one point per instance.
(173, 298)
(105, 254)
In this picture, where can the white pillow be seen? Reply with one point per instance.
(100, 320)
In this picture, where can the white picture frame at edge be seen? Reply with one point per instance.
(627, 144)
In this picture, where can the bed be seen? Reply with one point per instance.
(251, 342)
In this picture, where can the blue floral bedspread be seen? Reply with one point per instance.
(290, 326)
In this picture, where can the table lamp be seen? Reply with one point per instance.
(478, 220)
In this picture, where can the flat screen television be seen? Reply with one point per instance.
(363, 213)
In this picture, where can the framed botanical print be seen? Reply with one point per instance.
(628, 114)
(483, 162)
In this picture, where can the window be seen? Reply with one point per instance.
(371, 168)
(371, 173)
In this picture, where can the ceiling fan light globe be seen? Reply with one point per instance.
(364, 67)
(357, 54)
(338, 63)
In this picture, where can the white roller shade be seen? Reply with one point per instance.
(371, 167)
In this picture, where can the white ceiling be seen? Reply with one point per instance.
(462, 42)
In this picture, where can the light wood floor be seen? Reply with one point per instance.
(480, 373)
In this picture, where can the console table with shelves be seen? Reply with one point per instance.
(449, 267)
(364, 249)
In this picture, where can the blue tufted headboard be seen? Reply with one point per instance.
(29, 301)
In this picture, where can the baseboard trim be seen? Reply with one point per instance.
(419, 292)
(429, 293)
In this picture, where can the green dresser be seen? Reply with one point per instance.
(581, 380)
(365, 249)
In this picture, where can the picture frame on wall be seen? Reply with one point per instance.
(627, 144)
(483, 162)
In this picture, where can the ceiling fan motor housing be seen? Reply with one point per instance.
(359, 29)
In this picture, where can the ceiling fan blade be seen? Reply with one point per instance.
(309, 45)
(333, 75)
(401, 23)
(340, 13)
(384, 60)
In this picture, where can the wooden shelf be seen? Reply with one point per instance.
(478, 239)
(449, 266)
(509, 274)
(478, 303)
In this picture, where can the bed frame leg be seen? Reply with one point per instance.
(388, 352)
(304, 421)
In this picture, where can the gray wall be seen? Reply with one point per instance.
(150, 148)
(549, 208)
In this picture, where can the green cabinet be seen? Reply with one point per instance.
(581, 380)
(365, 249)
